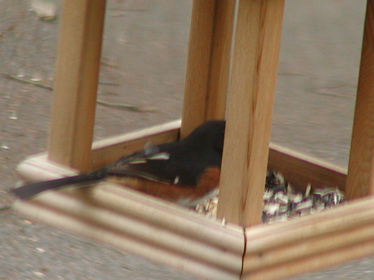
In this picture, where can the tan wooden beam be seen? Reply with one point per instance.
(77, 72)
(301, 170)
(111, 149)
(272, 251)
(220, 59)
(360, 180)
(281, 250)
(249, 112)
(136, 223)
(198, 64)
(208, 62)
(276, 250)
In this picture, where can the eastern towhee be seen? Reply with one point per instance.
(186, 172)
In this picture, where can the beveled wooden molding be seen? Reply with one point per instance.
(166, 233)
(139, 224)
(303, 244)
(129, 244)
(315, 262)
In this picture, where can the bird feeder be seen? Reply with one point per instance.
(236, 245)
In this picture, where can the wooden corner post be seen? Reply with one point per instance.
(77, 72)
(360, 179)
(249, 111)
(208, 65)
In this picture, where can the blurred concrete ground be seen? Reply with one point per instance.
(143, 64)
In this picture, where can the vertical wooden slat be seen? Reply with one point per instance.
(249, 111)
(198, 65)
(220, 59)
(360, 180)
(77, 71)
(208, 62)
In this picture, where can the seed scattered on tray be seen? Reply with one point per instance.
(281, 201)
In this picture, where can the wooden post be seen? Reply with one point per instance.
(249, 111)
(208, 62)
(360, 180)
(220, 59)
(77, 72)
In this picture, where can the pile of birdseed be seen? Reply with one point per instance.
(281, 201)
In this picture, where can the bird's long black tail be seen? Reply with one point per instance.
(27, 191)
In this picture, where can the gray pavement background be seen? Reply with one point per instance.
(144, 59)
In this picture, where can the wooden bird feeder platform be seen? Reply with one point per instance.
(241, 248)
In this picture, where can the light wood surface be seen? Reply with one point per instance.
(301, 170)
(109, 150)
(121, 241)
(314, 262)
(94, 211)
(166, 233)
(273, 251)
(213, 231)
(325, 222)
(198, 65)
(208, 63)
(360, 180)
(75, 87)
(249, 112)
(309, 247)
(136, 223)
(129, 220)
(302, 244)
(220, 59)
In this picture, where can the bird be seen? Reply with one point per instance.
(185, 172)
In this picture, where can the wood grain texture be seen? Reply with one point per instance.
(208, 63)
(198, 65)
(249, 112)
(154, 211)
(109, 150)
(127, 243)
(360, 180)
(301, 170)
(309, 247)
(281, 250)
(92, 210)
(273, 251)
(220, 59)
(264, 237)
(136, 223)
(127, 220)
(314, 262)
(75, 87)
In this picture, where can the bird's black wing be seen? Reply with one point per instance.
(156, 164)
(173, 163)
(142, 164)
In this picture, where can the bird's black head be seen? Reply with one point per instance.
(209, 134)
